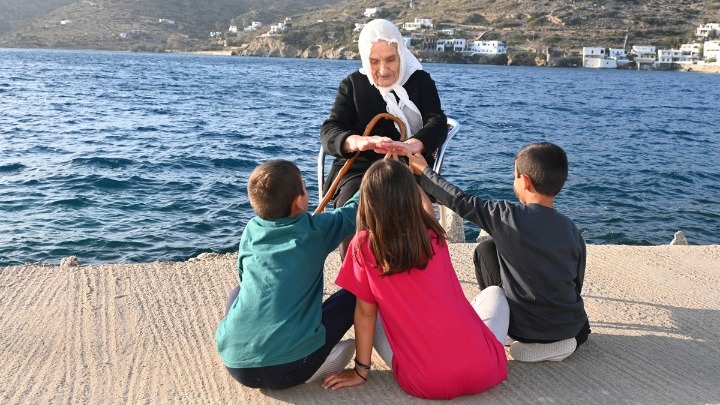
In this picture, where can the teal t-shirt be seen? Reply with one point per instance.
(276, 318)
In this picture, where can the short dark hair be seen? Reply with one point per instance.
(273, 186)
(546, 165)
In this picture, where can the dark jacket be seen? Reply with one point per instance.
(358, 102)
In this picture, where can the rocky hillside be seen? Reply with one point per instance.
(324, 28)
(537, 24)
(129, 24)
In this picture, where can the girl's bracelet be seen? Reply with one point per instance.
(359, 375)
(365, 367)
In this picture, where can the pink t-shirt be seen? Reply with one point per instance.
(441, 347)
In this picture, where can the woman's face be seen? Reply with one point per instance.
(384, 63)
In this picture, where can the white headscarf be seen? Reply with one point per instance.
(406, 110)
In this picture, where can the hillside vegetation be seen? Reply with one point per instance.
(324, 28)
(131, 24)
(16, 13)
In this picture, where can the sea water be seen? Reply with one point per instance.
(134, 157)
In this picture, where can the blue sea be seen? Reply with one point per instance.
(133, 157)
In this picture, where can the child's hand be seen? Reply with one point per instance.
(357, 143)
(417, 163)
(345, 378)
(395, 148)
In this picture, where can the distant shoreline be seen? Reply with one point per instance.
(699, 67)
(702, 68)
(692, 68)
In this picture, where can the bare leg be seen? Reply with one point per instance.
(381, 343)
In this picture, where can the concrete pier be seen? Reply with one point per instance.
(143, 333)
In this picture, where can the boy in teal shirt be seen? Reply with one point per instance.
(277, 332)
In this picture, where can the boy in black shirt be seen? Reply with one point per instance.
(537, 255)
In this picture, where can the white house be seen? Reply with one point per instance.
(593, 52)
(233, 28)
(459, 44)
(359, 27)
(411, 26)
(692, 51)
(687, 53)
(448, 31)
(704, 31)
(456, 44)
(372, 12)
(254, 26)
(669, 56)
(425, 22)
(488, 47)
(644, 53)
(617, 53)
(440, 44)
(215, 34)
(711, 50)
(277, 28)
(65, 22)
(418, 24)
(166, 21)
(589, 53)
(596, 57)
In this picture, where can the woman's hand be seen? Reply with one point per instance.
(394, 149)
(414, 145)
(345, 378)
(407, 148)
(359, 143)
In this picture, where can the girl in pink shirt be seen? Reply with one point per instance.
(437, 343)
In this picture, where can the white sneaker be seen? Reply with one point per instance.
(534, 352)
(339, 357)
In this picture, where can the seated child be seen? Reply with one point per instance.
(277, 332)
(398, 264)
(537, 255)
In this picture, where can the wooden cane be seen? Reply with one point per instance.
(349, 162)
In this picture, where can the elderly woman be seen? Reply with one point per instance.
(391, 80)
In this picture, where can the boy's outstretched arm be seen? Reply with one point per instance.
(469, 207)
(417, 163)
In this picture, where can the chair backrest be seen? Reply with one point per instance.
(453, 128)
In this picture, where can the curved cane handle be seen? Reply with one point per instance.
(368, 129)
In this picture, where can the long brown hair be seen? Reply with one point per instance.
(391, 213)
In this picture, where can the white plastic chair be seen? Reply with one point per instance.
(453, 128)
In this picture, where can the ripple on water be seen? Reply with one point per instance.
(129, 158)
(103, 162)
(12, 168)
(72, 203)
